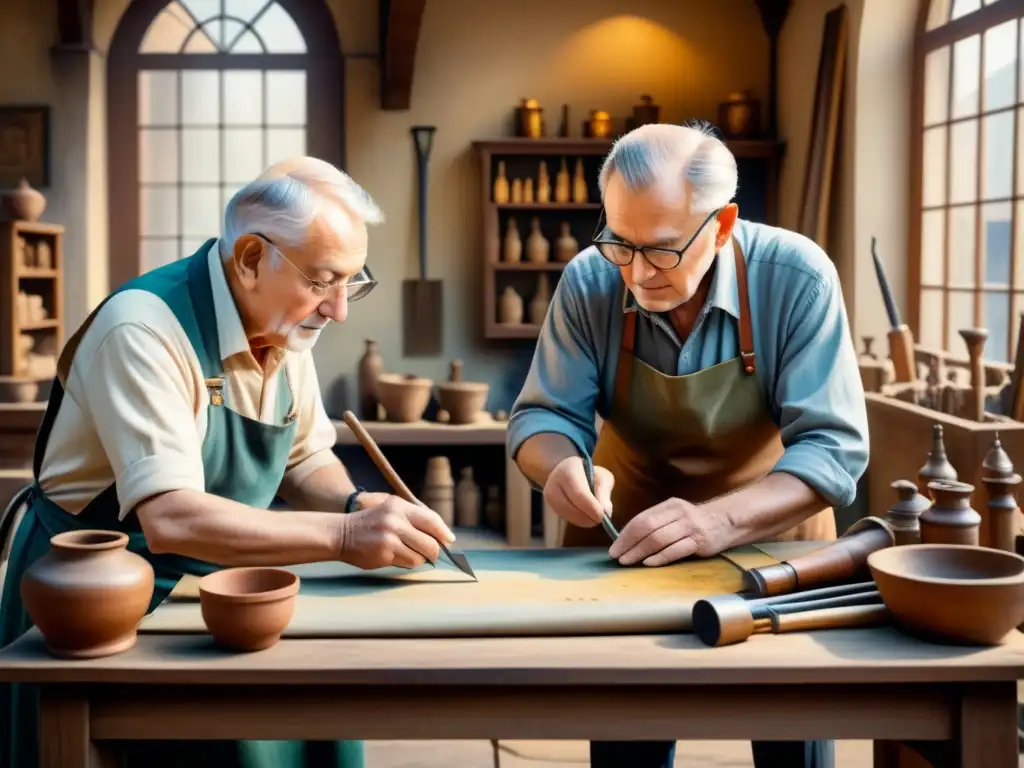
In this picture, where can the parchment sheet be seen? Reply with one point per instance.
(519, 592)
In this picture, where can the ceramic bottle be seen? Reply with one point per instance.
(541, 299)
(501, 188)
(937, 466)
(510, 308)
(439, 488)
(513, 243)
(566, 246)
(537, 246)
(371, 365)
(579, 184)
(467, 500)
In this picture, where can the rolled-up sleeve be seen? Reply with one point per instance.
(819, 397)
(562, 386)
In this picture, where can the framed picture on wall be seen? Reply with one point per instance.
(24, 145)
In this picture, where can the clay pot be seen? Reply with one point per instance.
(24, 203)
(404, 397)
(462, 400)
(904, 516)
(18, 389)
(439, 488)
(247, 609)
(937, 465)
(951, 593)
(371, 366)
(510, 307)
(88, 594)
(950, 519)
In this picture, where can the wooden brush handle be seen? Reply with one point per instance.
(831, 618)
(901, 350)
(400, 488)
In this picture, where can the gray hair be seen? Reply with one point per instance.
(287, 198)
(644, 155)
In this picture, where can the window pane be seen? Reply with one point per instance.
(243, 97)
(961, 243)
(244, 9)
(243, 154)
(966, 75)
(931, 319)
(1018, 271)
(168, 31)
(995, 242)
(963, 183)
(201, 212)
(200, 97)
(936, 86)
(200, 41)
(999, 155)
(227, 191)
(202, 10)
(283, 143)
(191, 245)
(279, 32)
(200, 152)
(996, 319)
(248, 43)
(158, 211)
(963, 7)
(158, 155)
(1018, 149)
(934, 183)
(933, 235)
(286, 98)
(155, 252)
(230, 31)
(158, 98)
(1001, 65)
(961, 315)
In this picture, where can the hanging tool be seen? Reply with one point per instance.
(401, 489)
(901, 340)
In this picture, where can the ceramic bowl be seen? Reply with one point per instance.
(405, 397)
(464, 400)
(247, 609)
(951, 593)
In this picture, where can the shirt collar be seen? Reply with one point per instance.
(724, 293)
(230, 331)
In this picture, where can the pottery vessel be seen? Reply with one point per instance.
(513, 243)
(404, 397)
(88, 594)
(439, 488)
(501, 188)
(950, 519)
(937, 466)
(510, 307)
(543, 183)
(247, 609)
(579, 184)
(566, 246)
(24, 203)
(467, 500)
(905, 515)
(371, 366)
(462, 400)
(951, 593)
(537, 246)
(18, 389)
(540, 301)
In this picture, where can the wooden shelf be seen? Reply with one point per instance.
(546, 146)
(27, 273)
(547, 206)
(527, 266)
(521, 331)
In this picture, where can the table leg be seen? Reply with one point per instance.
(64, 740)
(518, 505)
(988, 726)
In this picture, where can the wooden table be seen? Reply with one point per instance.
(849, 684)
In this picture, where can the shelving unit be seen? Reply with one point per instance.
(21, 242)
(758, 163)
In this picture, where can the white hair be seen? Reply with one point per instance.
(285, 200)
(646, 154)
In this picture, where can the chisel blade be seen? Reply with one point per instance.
(461, 561)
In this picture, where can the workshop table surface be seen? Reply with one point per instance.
(871, 683)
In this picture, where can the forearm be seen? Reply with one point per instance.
(763, 509)
(541, 453)
(221, 531)
(325, 490)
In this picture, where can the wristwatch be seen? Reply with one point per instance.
(353, 500)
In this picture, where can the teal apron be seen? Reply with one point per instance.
(243, 460)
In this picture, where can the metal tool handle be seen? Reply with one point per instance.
(606, 521)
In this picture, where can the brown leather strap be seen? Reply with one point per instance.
(746, 327)
(624, 369)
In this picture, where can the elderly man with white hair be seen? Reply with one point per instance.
(719, 354)
(188, 401)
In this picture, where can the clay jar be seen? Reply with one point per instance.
(404, 398)
(950, 519)
(904, 515)
(25, 203)
(88, 594)
(247, 609)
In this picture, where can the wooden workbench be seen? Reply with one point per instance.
(841, 684)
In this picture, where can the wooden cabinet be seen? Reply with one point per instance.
(31, 297)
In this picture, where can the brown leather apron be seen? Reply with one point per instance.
(693, 437)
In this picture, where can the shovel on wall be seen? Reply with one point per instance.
(422, 298)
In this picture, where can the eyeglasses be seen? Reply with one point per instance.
(356, 287)
(621, 254)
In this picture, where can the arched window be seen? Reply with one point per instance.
(967, 245)
(202, 96)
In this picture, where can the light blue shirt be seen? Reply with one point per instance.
(805, 357)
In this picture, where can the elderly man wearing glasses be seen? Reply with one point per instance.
(718, 353)
(188, 401)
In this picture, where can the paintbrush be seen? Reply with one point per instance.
(401, 489)
(606, 521)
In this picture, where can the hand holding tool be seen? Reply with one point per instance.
(401, 489)
(606, 521)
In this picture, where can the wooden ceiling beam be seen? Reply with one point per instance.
(400, 22)
(74, 24)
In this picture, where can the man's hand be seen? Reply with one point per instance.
(568, 493)
(668, 532)
(394, 532)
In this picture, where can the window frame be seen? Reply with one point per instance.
(323, 63)
(927, 40)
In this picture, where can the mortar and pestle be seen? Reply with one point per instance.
(843, 560)
(463, 400)
(728, 619)
(951, 593)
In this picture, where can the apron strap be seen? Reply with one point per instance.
(746, 327)
(624, 368)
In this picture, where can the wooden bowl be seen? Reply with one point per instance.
(951, 593)
(464, 400)
(405, 397)
(248, 608)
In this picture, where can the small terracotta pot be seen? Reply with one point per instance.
(404, 397)
(88, 594)
(951, 593)
(24, 203)
(247, 609)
